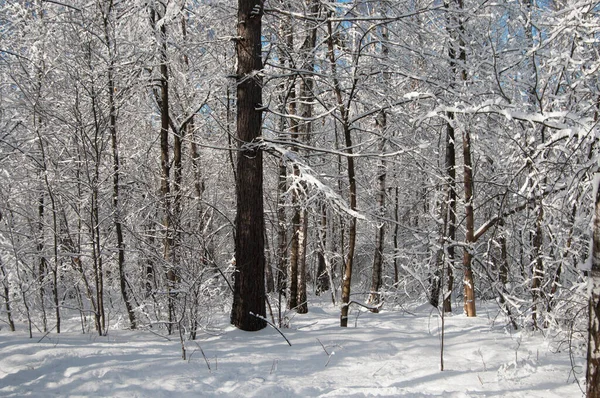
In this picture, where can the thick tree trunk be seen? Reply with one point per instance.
(248, 310)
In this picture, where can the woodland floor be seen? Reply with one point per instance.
(393, 353)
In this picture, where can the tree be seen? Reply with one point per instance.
(593, 352)
(248, 310)
(107, 14)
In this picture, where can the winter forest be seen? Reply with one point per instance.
(166, 162)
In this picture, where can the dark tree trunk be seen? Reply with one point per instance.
(6, 290)
(165, 162)
(451, 216)
(302, 303)
(377, 273)
(538, 266)
(323, 271)
(347, 274)
(458, 58)
(42, 265)
(306, 111)
(116, 173)
(248, 310)
(396, 231)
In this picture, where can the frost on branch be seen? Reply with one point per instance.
(306, 181)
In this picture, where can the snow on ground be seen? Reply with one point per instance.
(393, 353)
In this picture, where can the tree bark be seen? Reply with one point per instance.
(248, 311)
(351, 173)
(458, 58)
(165, 162)
(116, 172)
(6, 289)
(323, 270)
(469, 286)
(42, 264)
(306, 100)
(593, 352)
(377, 273)
(451, 215)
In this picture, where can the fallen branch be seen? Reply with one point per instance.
(203, 355)
(273, 326)
(328, 354)
(372, 308)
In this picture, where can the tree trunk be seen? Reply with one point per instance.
(282, 227)
(593, 352)
(282, 264)
(451, 214)
(347, 275)
(42, 264)
(116, 174)
(437, 276)
(538, 265)
(323, 271)
(292, 301)
(306, 111)
(248, 310)
(165, 162)
(302, 303)
(469, 228)
(6, 289)
(377, 273)
(396, 231)
(458, 58)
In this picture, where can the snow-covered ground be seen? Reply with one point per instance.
(393, 353)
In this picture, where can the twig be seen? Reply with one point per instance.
(46, 334)
(158, 334)
(273, 326)
(306, 326)
(328, 354)
(372, 308)
(324, 349)
(482, 360)
(204, 356)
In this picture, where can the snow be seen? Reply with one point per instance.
(393, 353)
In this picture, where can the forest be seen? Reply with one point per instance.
(164, 161)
